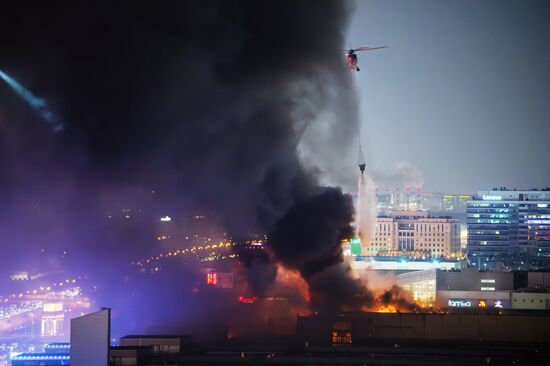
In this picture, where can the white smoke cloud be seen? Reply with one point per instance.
(366, 210)
(404, 174)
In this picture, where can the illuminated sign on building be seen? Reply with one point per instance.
(248, 299)
(492, 198)
(487, 280)
(219, 279)
(487, 289)
(477, 303)
(454, 303)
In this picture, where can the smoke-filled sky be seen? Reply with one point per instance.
(245, 109)
(461, 97)
(236, 108)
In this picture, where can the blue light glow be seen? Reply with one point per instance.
(35, 102)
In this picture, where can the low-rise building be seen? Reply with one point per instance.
(470, 288)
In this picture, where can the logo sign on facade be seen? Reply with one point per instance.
(219, 279)
(459, 303)
(477, 303)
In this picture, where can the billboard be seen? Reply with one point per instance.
(90, 336)
(355, 246)
(219, 279)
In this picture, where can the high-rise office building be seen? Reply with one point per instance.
(504, 224)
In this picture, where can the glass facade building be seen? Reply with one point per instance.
(505, 227)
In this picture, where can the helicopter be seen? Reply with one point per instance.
(351, 56)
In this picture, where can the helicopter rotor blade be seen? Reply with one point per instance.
(366, 48)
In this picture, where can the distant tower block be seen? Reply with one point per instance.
(52, 319)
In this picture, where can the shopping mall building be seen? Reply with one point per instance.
(470, 288)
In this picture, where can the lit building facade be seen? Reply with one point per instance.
(470, 288)
(388, 201)
(52, 319)
(503, 223)
(455, 202)
(415, 233)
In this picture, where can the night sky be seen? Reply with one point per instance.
(462, 94)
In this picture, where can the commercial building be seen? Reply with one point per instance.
(470, 288)
(415, 233)
(509, 228)
(465, 288)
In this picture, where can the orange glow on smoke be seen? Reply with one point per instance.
(292, 279)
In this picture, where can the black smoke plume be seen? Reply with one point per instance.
(173, 107)
(308, 238)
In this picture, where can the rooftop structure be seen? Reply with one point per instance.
(42, 359)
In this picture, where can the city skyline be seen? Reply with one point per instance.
(237, 173)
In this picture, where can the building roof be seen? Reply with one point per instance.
(129, 347)
(58, 345)
(160, 336)
(42, 356)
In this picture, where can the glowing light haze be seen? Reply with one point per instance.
(35, 102)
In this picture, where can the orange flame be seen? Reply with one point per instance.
(392, 300)
(292, 279)
(389, 308)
